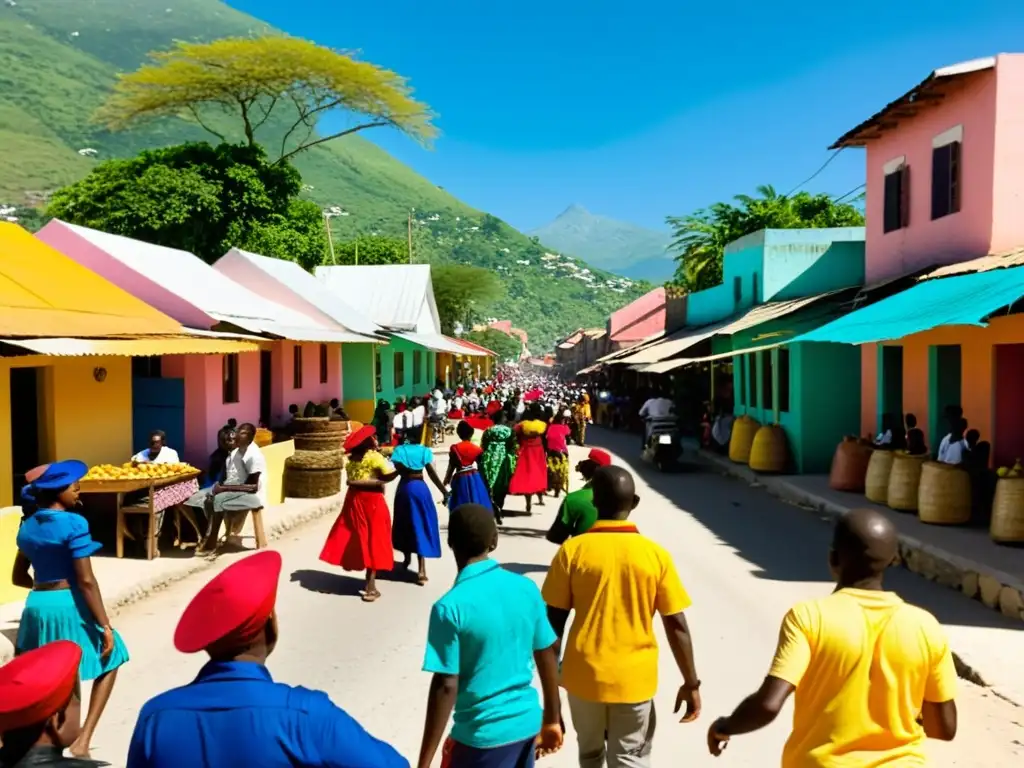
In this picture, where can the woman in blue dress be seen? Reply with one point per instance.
(463, 475)
(415, 530)
(65, 602)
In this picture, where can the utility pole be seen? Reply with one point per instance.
(330, 240)
(410, 237)
(357, 249)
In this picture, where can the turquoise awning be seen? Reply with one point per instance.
(962, 300)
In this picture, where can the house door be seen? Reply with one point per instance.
(944, 372)
(1008, 424)
(266, 382)
(158, 404)
(26, 434)
(891, 389)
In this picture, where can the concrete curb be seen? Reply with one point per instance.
(122, 596)
(995, 589)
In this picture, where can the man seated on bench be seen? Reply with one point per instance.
(243, 490)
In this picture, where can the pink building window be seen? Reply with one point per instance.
(897, 197)
(297, 367)
(946, 179)
(229, 368)
(323, 364)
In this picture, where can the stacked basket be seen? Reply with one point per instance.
(314, 471)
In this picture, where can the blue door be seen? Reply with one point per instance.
(158, 404)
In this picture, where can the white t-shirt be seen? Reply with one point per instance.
(241, 466)
(166, 456)
(657, 408)
(953, 453)
(438, 406)
(884, 438)
(402, 420)
(419, 413)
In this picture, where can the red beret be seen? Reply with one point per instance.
(360, 436)
(233, 608)
(37, 684)
(599, 457)
(493, 407)
(479, 423)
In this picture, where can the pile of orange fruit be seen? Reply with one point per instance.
(130, 471)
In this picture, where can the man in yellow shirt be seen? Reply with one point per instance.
(873, 676)
(615, 579)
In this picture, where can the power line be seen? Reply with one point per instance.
(853, 191)
(814, 175)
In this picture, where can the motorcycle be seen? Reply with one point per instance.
(664, 443)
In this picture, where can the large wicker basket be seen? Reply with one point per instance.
(309, 425)
(944, 494)
(769, 452)
(876, 481)
(1007, 525)
(316, 460)
(743, 431)
(850, 466)
(311, 483)
(904, 480)
(319, 441)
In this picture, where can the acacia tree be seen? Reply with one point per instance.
(700, 238)
(272, 81)
(459, 290)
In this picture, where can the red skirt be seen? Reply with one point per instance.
(361, 536)
(531, 475)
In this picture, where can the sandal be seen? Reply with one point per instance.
(422, 580)
(371, 597)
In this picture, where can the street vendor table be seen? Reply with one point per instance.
(150, 485)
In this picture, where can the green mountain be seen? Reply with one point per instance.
(59, 58)
(616, 246)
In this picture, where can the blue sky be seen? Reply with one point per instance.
(640, 111)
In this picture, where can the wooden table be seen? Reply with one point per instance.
(148, 484)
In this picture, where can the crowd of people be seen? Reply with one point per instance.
(873, 677)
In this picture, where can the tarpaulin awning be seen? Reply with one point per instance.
(44, 293)
(961, 300)
(135, 347)
(773, 310)
(673, 345)
(670, 365)
(632, 349)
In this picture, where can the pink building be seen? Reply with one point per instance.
(191, 396)
(945, 169)
(638, 320)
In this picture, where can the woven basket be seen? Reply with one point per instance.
(311, 425)
(769, 452)
(944, 494)
(850, 466)
(343, 427)
(311, 483)
(743, 431)
(320, 441)
(263, 438)
(876, 481)
(316, 460)
(1008, 511)
(904, 480)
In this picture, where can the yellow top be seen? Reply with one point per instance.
(533, 427)
(371, 466)
(45, 293)
(616, 580)
(863, 662)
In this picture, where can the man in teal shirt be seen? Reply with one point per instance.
(485, 636)
(578, 513)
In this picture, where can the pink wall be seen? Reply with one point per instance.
(283, 392)
(76, 247)
(958, 237)
(205, 409)
(640, 319)
(1007, 222)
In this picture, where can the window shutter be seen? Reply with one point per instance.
(891, 214)
(954, 177)
(904, 212)
(940, 181)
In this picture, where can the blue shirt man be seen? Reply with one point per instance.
(233, 713)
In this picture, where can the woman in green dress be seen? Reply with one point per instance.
(498, 461)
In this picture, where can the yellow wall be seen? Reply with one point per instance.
(10, 519)
(80, 418)
(275, 455)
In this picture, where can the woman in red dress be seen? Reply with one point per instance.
(531, 475)
(360, 539)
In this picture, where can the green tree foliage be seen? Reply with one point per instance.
(255, 79)
(202, 199)
(371, 249)
(504, 346)
(460, 290)
(700, 238)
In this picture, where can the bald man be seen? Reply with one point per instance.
(873, 676)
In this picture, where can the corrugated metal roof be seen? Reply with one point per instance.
(304, 285)
(391, 295)
(671, 365)
(45, 293)
(477, 350)
(135, 347)
(439, 343)
(963, 300)
(632, 348)
(673, 345)
(909, 101)
(773, 310)
(1004, 260)
(192, 280)
(589, 369)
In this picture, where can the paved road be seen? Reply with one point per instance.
(744, 556)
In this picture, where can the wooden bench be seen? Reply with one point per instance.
(257, 527)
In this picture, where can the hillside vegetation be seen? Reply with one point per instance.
(59, 59)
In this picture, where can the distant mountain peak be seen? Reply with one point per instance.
(575, 210)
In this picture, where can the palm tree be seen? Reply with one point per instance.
(700, 238)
